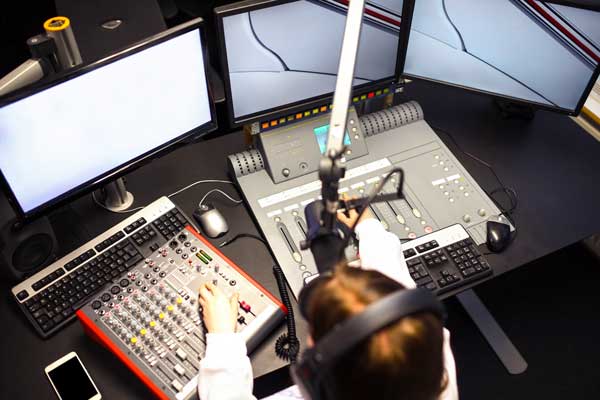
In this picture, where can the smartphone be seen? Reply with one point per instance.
(70, 379)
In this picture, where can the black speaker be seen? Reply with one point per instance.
(25, 249)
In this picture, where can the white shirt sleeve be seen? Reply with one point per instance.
(225, 371)
(382, 251)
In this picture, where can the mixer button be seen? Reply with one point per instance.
(181, 354)
(179, 369)
(177, 385)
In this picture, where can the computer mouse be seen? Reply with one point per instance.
(498, 236)
(211, 220)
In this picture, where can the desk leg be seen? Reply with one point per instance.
(492, 332)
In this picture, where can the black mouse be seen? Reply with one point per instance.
(211, 220)
(498, 236)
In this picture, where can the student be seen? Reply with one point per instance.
(411, 359)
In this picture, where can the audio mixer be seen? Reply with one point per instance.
(280, 177)
(149, 316)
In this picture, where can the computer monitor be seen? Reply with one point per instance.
(280, 57)
(527, 51)
(72, 135)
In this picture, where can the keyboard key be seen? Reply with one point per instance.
(22, 295)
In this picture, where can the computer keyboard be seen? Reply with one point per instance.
(445, 260)
(50, 298)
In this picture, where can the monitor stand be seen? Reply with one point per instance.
(510, 110)
(115, 196)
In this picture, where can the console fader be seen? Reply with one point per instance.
(149, 317)
(280, 177)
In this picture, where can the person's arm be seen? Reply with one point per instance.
(379, 249)
(382, 251)
(225, 370)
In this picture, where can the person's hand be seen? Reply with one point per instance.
(219, 312)
(352, 215)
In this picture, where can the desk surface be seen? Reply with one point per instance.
(552, 164)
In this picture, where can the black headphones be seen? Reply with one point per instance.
(313, 368)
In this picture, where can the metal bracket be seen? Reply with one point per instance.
(492, 332)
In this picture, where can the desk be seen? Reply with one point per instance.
(552, 163)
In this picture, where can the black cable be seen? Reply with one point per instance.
(287, 345)
(244, 235)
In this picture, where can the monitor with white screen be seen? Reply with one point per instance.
(528, 51)
(92, 125)
(279, 57)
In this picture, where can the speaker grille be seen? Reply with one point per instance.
(32, 253)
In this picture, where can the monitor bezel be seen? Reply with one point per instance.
(401, 75)
(127, 167)
(285, 109)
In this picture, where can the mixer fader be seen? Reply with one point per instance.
(149, 317)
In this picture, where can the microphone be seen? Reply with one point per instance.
(327, 242)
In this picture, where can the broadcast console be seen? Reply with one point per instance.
(280, 177)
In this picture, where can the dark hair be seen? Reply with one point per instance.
(401, 361)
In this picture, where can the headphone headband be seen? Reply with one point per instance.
(375, 317)
(317, 360)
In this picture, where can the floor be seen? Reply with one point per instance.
(549, 309)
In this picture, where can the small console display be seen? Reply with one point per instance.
(321, 135)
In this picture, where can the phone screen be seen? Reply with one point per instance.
(71, 381)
